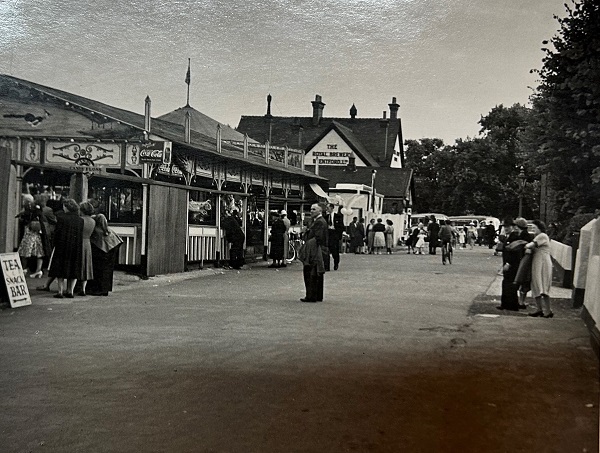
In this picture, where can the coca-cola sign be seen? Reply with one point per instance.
(155, 153)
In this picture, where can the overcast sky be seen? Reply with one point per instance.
(446, 61)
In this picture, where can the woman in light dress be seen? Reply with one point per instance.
(389, 236)
(541, 270)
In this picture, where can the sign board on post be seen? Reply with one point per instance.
(155, 152)
(14, 279)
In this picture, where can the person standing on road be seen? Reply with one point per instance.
(105, 246)
(421, 240)
(389, 236)
(446, 235)
(541, 270)
(490, 235)
(378, 236)
(335, 223)
(433, 230)
(286, 236)
(312, 253)
(68, 245)
(234, 234)
(370, 236)
(511, 256)
(277, 232)
(524, 288)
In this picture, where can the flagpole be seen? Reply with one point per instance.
(187, 80)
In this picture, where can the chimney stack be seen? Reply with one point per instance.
(394, 109)
(147, 117)
(353, 111)
(318, 107)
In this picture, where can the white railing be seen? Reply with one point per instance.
(202, 244)
(130, 251)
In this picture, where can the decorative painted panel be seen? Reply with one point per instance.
(88, 156)
(31, 150)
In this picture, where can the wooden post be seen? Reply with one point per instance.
(8, 186)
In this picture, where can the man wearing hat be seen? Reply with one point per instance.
(335, 229)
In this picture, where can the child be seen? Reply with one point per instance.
(421, 240)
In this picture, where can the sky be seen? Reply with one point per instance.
(447, 62)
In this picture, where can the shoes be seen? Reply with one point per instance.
(273, 265)
(69, 295)
(307, 300)
(58, 296)
(43, 288)
(537, 314)
(39, 274)
(549, 315)
(283, 265)
(522, 306)
(82, 293)
(444, 263)
(95, 293)
(336, 267)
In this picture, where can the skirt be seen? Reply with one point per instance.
(31, 245)
(379, 239)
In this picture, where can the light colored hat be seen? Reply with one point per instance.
(521, 222)
(283, 212)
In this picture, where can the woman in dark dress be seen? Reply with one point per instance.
(68, 245)
(278, 229)
(105, 247)
(511, 256)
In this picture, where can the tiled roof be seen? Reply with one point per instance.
(166, 129)
(392, 182)
(299, 132)
(201, 123)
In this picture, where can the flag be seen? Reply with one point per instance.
(187, 76)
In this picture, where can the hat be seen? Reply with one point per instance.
(283, 212)
(508, 222)
(521, 223)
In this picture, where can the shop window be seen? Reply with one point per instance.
(118, 204)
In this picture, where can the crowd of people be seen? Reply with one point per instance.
(75, 245)
(373, 239)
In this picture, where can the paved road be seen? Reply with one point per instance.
(404, 355)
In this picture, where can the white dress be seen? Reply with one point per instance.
(420, 239)
(541, 266)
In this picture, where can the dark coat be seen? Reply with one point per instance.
(68, 246)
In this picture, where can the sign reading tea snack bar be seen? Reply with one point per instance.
(14, 280)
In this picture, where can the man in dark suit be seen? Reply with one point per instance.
(313, 254)
(335, 224)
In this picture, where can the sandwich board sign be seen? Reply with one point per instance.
(14, 280)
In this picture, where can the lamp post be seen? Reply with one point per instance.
(373, 174)
(522, 180)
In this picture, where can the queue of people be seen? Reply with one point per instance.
(76, 245)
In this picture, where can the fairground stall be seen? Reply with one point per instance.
(163, 186)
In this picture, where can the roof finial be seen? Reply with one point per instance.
(269, 98)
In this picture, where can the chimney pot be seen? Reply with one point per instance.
(353, 111)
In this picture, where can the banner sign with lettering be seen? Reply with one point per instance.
(14, 279)
(155, 152)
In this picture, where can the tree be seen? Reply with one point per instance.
(421, 156)
(566, 105)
